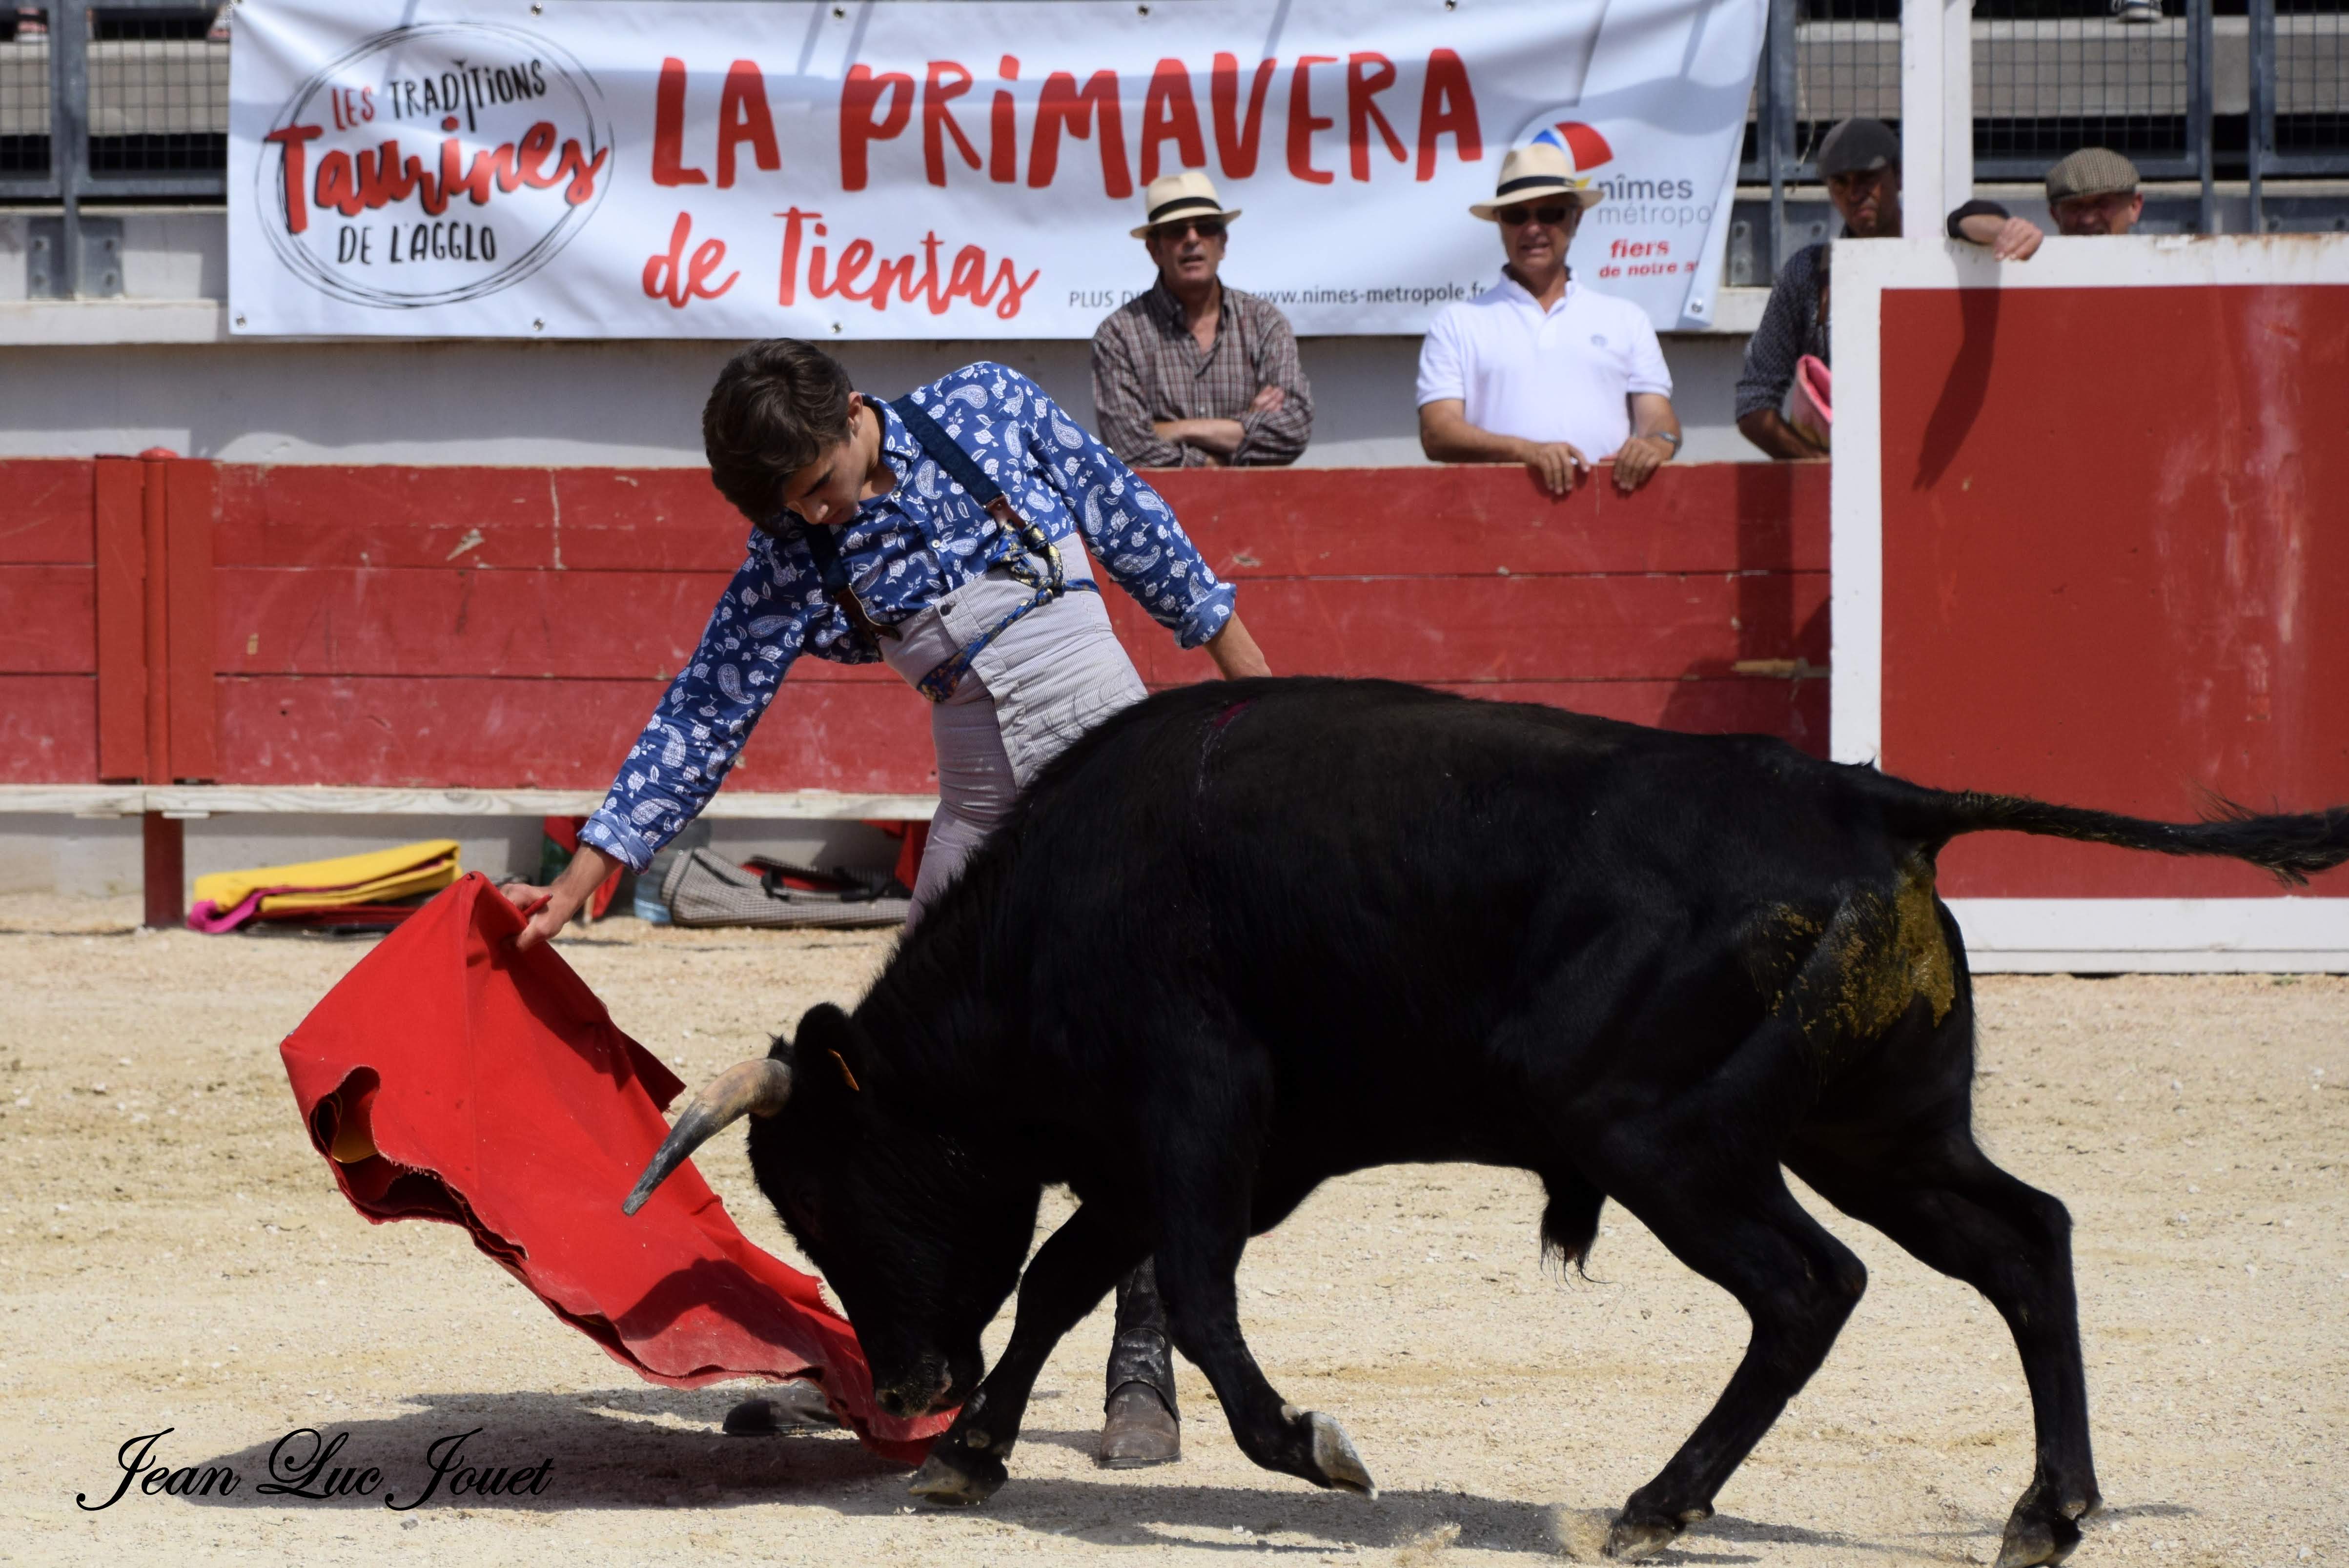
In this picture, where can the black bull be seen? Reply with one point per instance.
(1243, 938)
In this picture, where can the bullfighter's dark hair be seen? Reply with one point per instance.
(777, 404)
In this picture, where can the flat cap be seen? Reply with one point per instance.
(2091, 172)
(1858, 144)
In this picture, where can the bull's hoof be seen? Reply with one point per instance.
(2031, 1541)
(970, 1480)
(1334, 1456)
(1631, 1540)
(2042, 1530)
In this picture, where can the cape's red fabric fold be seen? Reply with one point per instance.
(450, 1078)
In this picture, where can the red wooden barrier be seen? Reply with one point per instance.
(513, 628)
(2093, 592)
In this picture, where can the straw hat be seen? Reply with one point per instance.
(1530, 173)
(1190, 194)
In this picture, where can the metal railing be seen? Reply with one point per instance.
(2192, 90)
(127, 101)
(124, 101)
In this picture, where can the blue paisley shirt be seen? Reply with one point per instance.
(902, 551)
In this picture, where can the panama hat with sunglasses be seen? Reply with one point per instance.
(1541, 175)
(1188, 197)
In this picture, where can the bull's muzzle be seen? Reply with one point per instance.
(761, 1086)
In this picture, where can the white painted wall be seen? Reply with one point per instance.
(160, 369)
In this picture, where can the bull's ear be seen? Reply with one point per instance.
(831, 1048)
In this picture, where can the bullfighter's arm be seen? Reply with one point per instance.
(759, 625)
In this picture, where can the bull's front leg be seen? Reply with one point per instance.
(1070, 1274)
(1196, 1270)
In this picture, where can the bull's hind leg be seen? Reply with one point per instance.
(1933, 1191)
(1070, 1272)
(1743, 1230)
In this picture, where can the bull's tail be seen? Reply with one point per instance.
(2293, 845)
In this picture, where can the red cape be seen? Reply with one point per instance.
(450, 1078)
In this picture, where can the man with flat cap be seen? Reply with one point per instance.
(2090, 192)
(1194, 373)
(1539, 370)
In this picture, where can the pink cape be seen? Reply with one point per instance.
(450, 1078)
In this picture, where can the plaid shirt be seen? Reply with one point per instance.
(1147, 366)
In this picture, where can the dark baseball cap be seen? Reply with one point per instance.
(1858, 144)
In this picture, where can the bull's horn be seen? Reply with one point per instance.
(759, 1086)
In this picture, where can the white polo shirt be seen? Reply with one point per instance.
(1564, 374)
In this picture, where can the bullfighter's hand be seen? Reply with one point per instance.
(1637, 460)
(550, 909)
(1557, 466)
(1269, 401)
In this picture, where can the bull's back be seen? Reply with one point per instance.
(1385, 880)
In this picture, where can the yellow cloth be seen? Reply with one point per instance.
(378, 874)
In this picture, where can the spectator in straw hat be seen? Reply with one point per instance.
(1539, 370)
(1194, 373)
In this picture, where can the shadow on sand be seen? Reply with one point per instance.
(662, 1449)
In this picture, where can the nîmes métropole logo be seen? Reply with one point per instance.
(433, 164)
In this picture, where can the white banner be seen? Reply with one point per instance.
(503, 168)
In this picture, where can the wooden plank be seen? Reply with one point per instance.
(453, 621)
(731, 804)
(2126, 632)
(490, 733)
(48, 728)
(72, 799)
(385, 515)
(47, 620)
(648, 519)
(45, 511)
(118, 534)
(1794, 710)
(1436, 521)
(191, 500)
(227, 800)
(1479, 519)
(1439, 629)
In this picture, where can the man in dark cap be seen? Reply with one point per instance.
(1860, 161)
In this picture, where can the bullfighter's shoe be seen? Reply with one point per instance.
(1143, 1425)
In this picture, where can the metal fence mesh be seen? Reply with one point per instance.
(2051, 76)
(1846, 62)
(23, 91)
(158, 91)
(2311, 101)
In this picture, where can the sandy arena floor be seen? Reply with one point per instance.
(176, 1256)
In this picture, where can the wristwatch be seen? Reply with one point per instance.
(1668, 435)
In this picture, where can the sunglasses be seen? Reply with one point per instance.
(1206, 228)
(1515, 216)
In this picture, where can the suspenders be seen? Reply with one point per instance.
(1050, 583)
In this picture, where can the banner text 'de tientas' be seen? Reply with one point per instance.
(426, 167)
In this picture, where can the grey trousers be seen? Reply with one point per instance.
(1052, 676)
